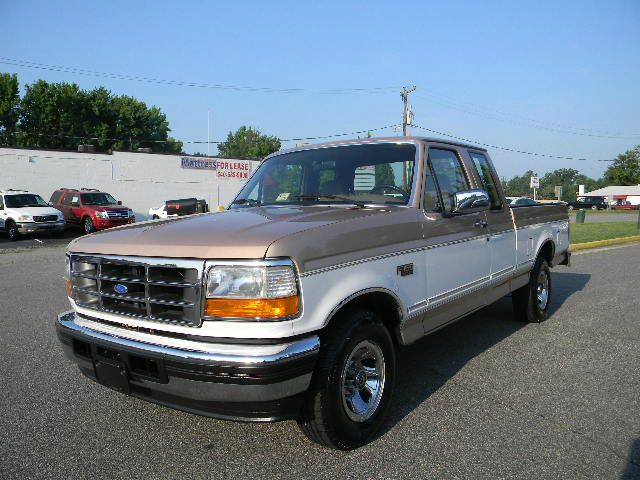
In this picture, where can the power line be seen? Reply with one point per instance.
(508, 149)
(216, 142)
(500, 115)
(184, 83)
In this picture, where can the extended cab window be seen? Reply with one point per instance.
(449, 174)
(486, 178)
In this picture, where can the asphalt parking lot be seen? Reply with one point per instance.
(484, 398)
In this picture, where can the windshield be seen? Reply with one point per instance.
(371, 173)
(24, 200)
(97, 199)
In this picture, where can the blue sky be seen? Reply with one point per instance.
(530, 75)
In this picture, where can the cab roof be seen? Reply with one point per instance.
(407, 139)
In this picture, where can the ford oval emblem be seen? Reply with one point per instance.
(120, 288)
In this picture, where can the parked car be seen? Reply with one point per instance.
(594, 203)
(179, 208)
(293, 302)
(624, 205)
(23, 212)
(91, 209)
(518, 201)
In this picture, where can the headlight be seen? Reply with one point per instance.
(102, 215)
(25, 218)
(67, 275)
(252, 291)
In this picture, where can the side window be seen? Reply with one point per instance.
(67, 199)
(55, 197)
(449, 174)
(486, 178)
(431, 202)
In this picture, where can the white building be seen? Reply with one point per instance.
(139, 180)
(615, 193)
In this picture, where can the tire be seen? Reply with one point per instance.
(571, 208)
(88, 226)
(155, 217)
(352, 385)
(12, 231)
(531, 302)
(594, 207)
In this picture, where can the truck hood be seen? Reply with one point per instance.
(238, 233)
(35, 211)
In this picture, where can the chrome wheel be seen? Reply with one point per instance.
(542, 290)
(12, 232)
(363, 381)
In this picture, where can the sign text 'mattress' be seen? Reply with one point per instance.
(224, 168)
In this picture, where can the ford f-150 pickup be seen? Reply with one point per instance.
(293, 302)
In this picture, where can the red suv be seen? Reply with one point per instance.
(91, 209)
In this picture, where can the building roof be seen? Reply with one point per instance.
(615, 190)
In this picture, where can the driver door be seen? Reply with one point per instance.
(456, 255)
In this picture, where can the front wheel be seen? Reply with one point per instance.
(571, 208)
(353, 382)
(531, 302)
(594, 207)
(12, 231)
(88, 226)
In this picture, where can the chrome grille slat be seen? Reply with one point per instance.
(158, 290)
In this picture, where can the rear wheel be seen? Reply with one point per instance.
(88, 226)
(12, 231)
(594, 207)
(531, 302)
(353, 382)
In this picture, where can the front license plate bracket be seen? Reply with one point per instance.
(112, 375)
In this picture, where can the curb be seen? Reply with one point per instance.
(604, 243)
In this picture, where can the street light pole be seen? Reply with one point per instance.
(209, 133)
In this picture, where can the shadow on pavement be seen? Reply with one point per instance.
(632, 469)
(564, 285)
(429, 363)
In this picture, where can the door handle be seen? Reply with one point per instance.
(481, 224)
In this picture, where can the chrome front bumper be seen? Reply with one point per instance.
(30, 227)
(240, 381)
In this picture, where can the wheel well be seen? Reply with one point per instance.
(382, 303)
(547, 251)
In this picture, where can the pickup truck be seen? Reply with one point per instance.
(293, 302)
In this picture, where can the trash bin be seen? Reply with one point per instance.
(580, 214)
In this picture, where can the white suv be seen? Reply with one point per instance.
(25, 212)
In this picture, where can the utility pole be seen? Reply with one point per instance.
(208, 133)
(404, 94)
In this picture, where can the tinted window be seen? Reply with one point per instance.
(55, 197)
(371, 173)
(71, 199)
(486, 179)
(25, 200)
(431, 201)
(449, 174)
(1, 204)
(98, 199)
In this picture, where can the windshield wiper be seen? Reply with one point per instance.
(319, 196)
(246, 201)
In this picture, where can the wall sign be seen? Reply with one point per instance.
(224, 168)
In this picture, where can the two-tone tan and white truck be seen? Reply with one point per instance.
(293, 302)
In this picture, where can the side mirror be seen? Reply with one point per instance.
(470, 201)
(119, 202)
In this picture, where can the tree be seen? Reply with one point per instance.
(9, 108)
(625, 169)
(248, 143)
(63, 116)
(518, 186)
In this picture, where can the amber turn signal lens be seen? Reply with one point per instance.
(69, 293)
(251, 307)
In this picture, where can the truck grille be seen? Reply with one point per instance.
(45, 218)
(160, 290)
(118, 213)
